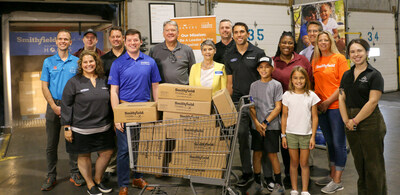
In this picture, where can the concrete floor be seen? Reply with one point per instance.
(23, 169)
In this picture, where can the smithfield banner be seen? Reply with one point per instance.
(194, 30)
(44, 43)
(331, 15)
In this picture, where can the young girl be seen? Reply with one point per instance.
(328, 23)
(299, 121)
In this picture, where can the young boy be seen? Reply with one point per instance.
(267, 96)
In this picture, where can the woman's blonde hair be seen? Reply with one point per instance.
(317, 51)
(307, 85)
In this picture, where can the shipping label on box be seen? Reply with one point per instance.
(211, 145)
(226, 108)
(184, 92)
(185, 106)
(135, 112)
(187, 132)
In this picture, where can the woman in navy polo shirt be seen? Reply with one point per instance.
(360, 90)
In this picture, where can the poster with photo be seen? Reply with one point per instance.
(329, 13)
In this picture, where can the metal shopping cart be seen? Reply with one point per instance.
(199, 148)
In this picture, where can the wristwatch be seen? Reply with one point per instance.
(67, 128)
(283, 135)
(266, 122)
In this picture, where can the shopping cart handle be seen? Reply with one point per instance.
(245, 101)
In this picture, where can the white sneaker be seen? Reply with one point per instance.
(332, 187)
(294, 192)
(305, 193)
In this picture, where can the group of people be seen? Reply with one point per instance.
(293, 94)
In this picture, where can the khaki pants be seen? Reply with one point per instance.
(366, 144)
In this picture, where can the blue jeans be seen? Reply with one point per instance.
(332, 127)
(123, 170)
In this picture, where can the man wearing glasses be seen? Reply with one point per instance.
(313, 28)
(173, 58)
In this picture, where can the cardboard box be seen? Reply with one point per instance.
(30, 106)
(31, 76)
(184, 106)
(185, 119)
(147, 163)
(180, 171)
(30, 89)
(225, 107)
(188, 131)
(211, 145)
(184, 92)
(178, 115)
(199, 160)
(136, 112)
(31, 99)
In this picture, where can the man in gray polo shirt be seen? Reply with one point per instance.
(173, 58)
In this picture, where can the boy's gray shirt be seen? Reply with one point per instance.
(265, 95)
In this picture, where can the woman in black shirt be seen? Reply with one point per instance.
(360, 90)
(87, 118)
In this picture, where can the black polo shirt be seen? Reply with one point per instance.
(357, 91)
(221, 51)
(243, 69)
(108, 59)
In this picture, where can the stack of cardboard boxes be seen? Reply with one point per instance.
(31, 99)
(198, 149)
(191, 145)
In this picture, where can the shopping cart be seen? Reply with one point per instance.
(198, 148)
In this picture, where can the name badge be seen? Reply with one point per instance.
(83, 90)
(144, 63)
(219, 73)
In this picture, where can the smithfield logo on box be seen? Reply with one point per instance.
(199, 157)
(202, 144)
(137, 114)
(194, 130)
(185, 104)
(186, 92)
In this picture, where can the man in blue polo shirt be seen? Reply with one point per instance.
(132, 76)
(57, 70)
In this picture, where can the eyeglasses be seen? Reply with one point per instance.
(172, 57)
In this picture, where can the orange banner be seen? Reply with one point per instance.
(194, 30)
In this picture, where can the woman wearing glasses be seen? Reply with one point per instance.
(208, 73)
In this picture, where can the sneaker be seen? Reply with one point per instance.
(305, 193)
(49, 183)
(77, 179)
(269, 183)
(324, 181)
(244, 180)
(103, 188)
(332, 187)
(294, 192)
(287, 183)
(94, 191)
(141, 183)
(278, 190)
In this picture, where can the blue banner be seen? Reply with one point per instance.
(44, 43)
